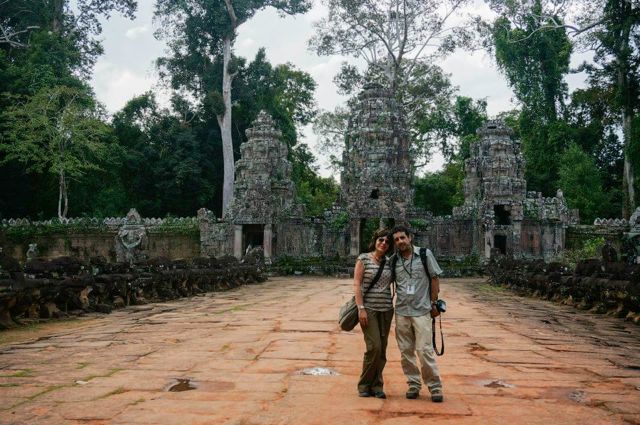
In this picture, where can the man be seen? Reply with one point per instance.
(413, 314)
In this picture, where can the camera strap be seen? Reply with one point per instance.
(423, 258)
(433, 336)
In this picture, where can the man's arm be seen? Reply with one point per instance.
(435, 288)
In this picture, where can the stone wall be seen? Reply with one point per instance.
(612, 288)
(86, 238)
(69, 286)
(216, 236)
(299, 238)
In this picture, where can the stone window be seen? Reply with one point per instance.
(502, 214)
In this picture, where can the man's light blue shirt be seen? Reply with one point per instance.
(412, 284)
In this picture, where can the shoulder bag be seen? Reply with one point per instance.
(348, 317)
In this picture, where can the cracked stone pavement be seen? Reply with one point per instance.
(508, 360)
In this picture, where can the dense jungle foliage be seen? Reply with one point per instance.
(62, 154)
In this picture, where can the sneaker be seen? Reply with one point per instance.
(364, 394)
(412, 393)
(379, 394)
(436, 395)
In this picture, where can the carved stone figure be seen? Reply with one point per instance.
(131, 238)
(33, 252)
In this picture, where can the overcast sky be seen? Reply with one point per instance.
(126, 69)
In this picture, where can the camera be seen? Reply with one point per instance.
(441, 306)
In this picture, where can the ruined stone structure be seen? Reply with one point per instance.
(377, 173)
(506, 219)
(498, 216)
(264, 197)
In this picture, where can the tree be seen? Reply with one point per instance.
(400, 42)
(315, 192)
(199, 33)
(77, 23)
(392, 36)
(535, 63)
(331, 129)
(169, 165)
(581, 183)
(284, 91)
(44, 44)
(440, 191)
(610, 29)
(454, 126)
(58, 131)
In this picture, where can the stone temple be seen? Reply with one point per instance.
(498, 216)
(377, 171)
(505, 218)
(264, 194)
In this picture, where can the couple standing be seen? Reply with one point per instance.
(412, 310)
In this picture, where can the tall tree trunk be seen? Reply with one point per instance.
(57, 12)
(628, 176)
(62, 197)
(224, 121)
(622, 52)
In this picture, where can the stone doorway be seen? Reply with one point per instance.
(252, 235)
(500, 243)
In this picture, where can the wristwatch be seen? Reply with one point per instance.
(361, 307)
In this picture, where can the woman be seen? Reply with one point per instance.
(375, 312)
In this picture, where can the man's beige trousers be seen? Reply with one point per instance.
(413, 335)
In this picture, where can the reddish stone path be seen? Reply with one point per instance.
(509, 360)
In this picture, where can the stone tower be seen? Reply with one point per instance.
(495, 171)
(508, 219)
(264, 192)
(495, 188)
(377, 170)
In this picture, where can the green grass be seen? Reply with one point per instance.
(239, 307)
(108, 374)
(487, 287)
(138, 401)
(25, 373)
(118, 390)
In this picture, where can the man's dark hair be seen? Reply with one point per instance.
(401, 228)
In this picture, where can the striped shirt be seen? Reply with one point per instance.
(379, 297)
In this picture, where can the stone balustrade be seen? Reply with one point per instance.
(611, 288)
(63, 286)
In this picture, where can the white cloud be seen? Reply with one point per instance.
(247, 43)
(116, 85)
(135, 32)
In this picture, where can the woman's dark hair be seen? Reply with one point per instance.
(378, 234)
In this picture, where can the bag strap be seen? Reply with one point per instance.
(376, 278)
(394, 261)
(423, 258)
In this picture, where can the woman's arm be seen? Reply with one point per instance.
(358, 274)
